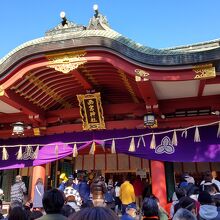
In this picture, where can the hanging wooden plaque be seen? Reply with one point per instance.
(91, 111)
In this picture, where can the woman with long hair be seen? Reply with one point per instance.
(38, 194)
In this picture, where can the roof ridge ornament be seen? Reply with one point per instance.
(65, 26)
(98, 21)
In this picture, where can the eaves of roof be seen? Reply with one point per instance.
(113, 41)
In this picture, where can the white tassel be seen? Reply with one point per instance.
(5, 155)
(132, 145)
(174, 139)
(218, 132)
(75, 151)
(113, 150)
(139, 141)
(197, 135)
(92, 150)
(141, 138)
(36, 152)
(56, 150)
(184, 134)
(153, 142)
(19, 154)
(103, 146)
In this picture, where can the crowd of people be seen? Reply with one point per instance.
(80, 199)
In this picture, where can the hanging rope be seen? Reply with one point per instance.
(184, 132)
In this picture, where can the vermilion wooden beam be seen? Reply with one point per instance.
(155, 73)
(13, 117)
(123, 124)
(128, 124)
(110, 109)
(182, 122)
(148, 94)
(215, 80)
(82, 80)
(202, 84)
(137, 110)
(16, 101)
(171, 105)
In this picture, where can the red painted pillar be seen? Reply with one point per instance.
(38, 172)
(159, 181)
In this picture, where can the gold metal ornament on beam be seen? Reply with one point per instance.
(2, 91)
(204, 71)
(66, 62)
(141, 75)
(128, 85)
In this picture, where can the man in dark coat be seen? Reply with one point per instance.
(84, 190)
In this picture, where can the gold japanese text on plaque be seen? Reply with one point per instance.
(66, 62)
(91, 111)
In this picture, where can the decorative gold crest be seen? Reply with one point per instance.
(66, 62)
(204, 71)
(141, 75)
(91, 111)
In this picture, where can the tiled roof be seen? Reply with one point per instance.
(184, 55)
(111, 34)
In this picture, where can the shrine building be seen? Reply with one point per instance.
(88, 98)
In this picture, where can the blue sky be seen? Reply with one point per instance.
(154, 23)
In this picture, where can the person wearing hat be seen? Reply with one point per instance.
(63, 180)
(18, 189)
(130, 212)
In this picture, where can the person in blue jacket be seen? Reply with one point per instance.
(84, 190)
